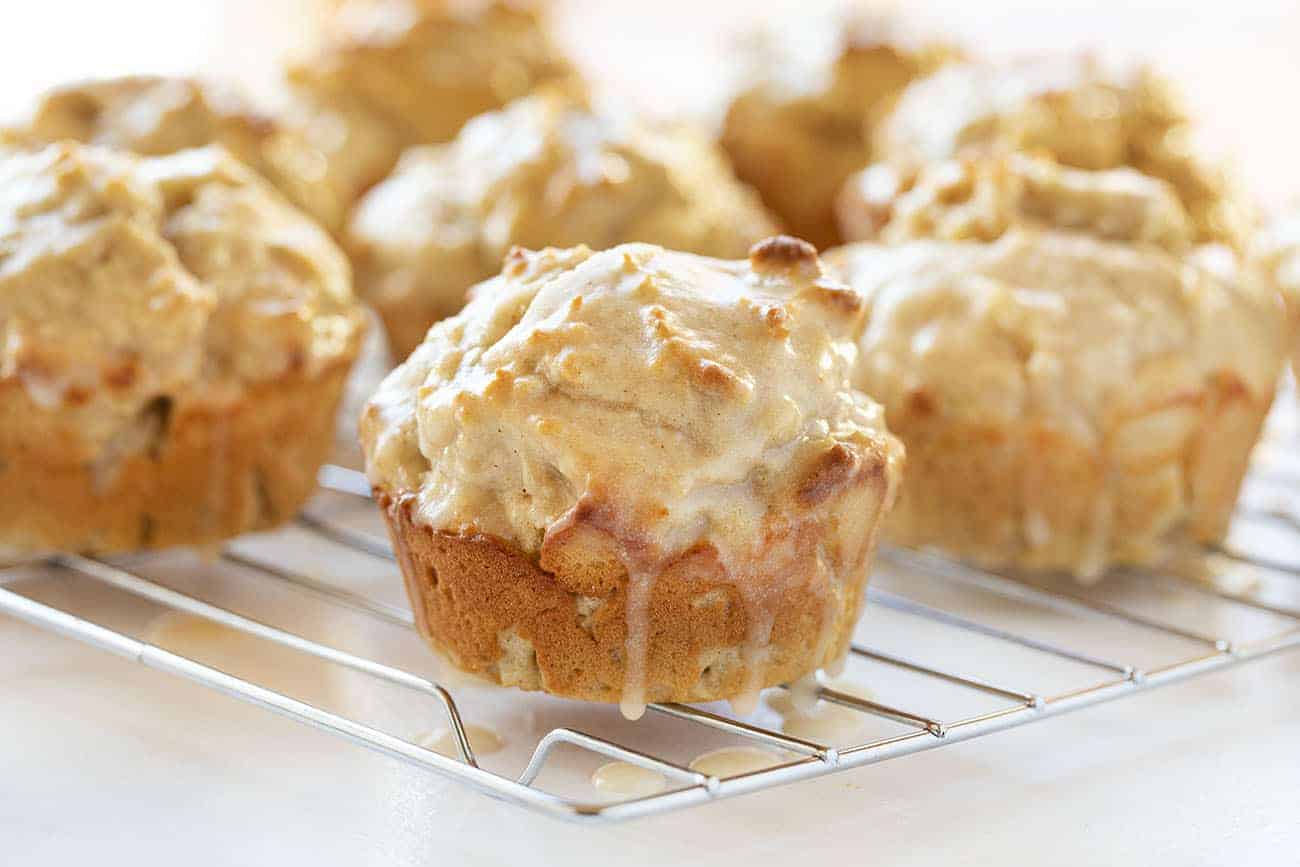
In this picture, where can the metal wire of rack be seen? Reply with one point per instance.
(1013, 706)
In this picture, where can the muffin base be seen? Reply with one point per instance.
(219, 466)
(1035, 498)
(562, 626)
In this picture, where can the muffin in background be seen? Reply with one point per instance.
(637, 475)
(177, 337)
(548, 170)
(813, 91)
(1075, 387)
(1076, 109)
(156, 115)
(390, 74)
(981, 198)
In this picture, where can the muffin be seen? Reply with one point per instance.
(390, 74)
(1276, 253)
(1075, 109)
(800, 125)
(155, 116)
(176, 340)
(636, 475)
(547, 170)
(1074, 388)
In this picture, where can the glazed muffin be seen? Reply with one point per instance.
(1075, 109)
(176, 340)
(390, 74)
(545, 171)
(801, 123)
(1276, 253)
(1073, 387)
(155, 116)
(636, 475)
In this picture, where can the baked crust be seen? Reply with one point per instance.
(212, 466)
(561, 624)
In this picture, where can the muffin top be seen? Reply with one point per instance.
(403, 72)
(980, 198)
(1057, 325)
(811, 92)
(1077, 110)
(123, 279)
(547, 171)
(154, 116)
(667, 397)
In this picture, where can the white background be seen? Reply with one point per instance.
(104, 763)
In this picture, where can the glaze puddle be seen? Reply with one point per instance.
(626, 780)
(734, 761)
(483, 740)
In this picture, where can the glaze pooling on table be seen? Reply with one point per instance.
(734, 761)
(483, 741)
(626, 780)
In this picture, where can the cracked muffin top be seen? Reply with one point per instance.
(123, 279)
(1076, 109)
(674, 398)
(392, 74)
(155, 116)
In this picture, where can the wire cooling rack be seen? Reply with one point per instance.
(950, 652)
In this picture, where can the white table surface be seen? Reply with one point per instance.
(107, 763)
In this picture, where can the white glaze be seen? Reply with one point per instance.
(734, 761)
(483, 740)
(626, 780)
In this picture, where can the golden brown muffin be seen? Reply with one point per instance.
(1075, 109)
(155, 116)
(543, 171)
(1074, 389)
(637, 475)
(1276, 253)
(176, 339)
(801, 124)
(390, 74)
